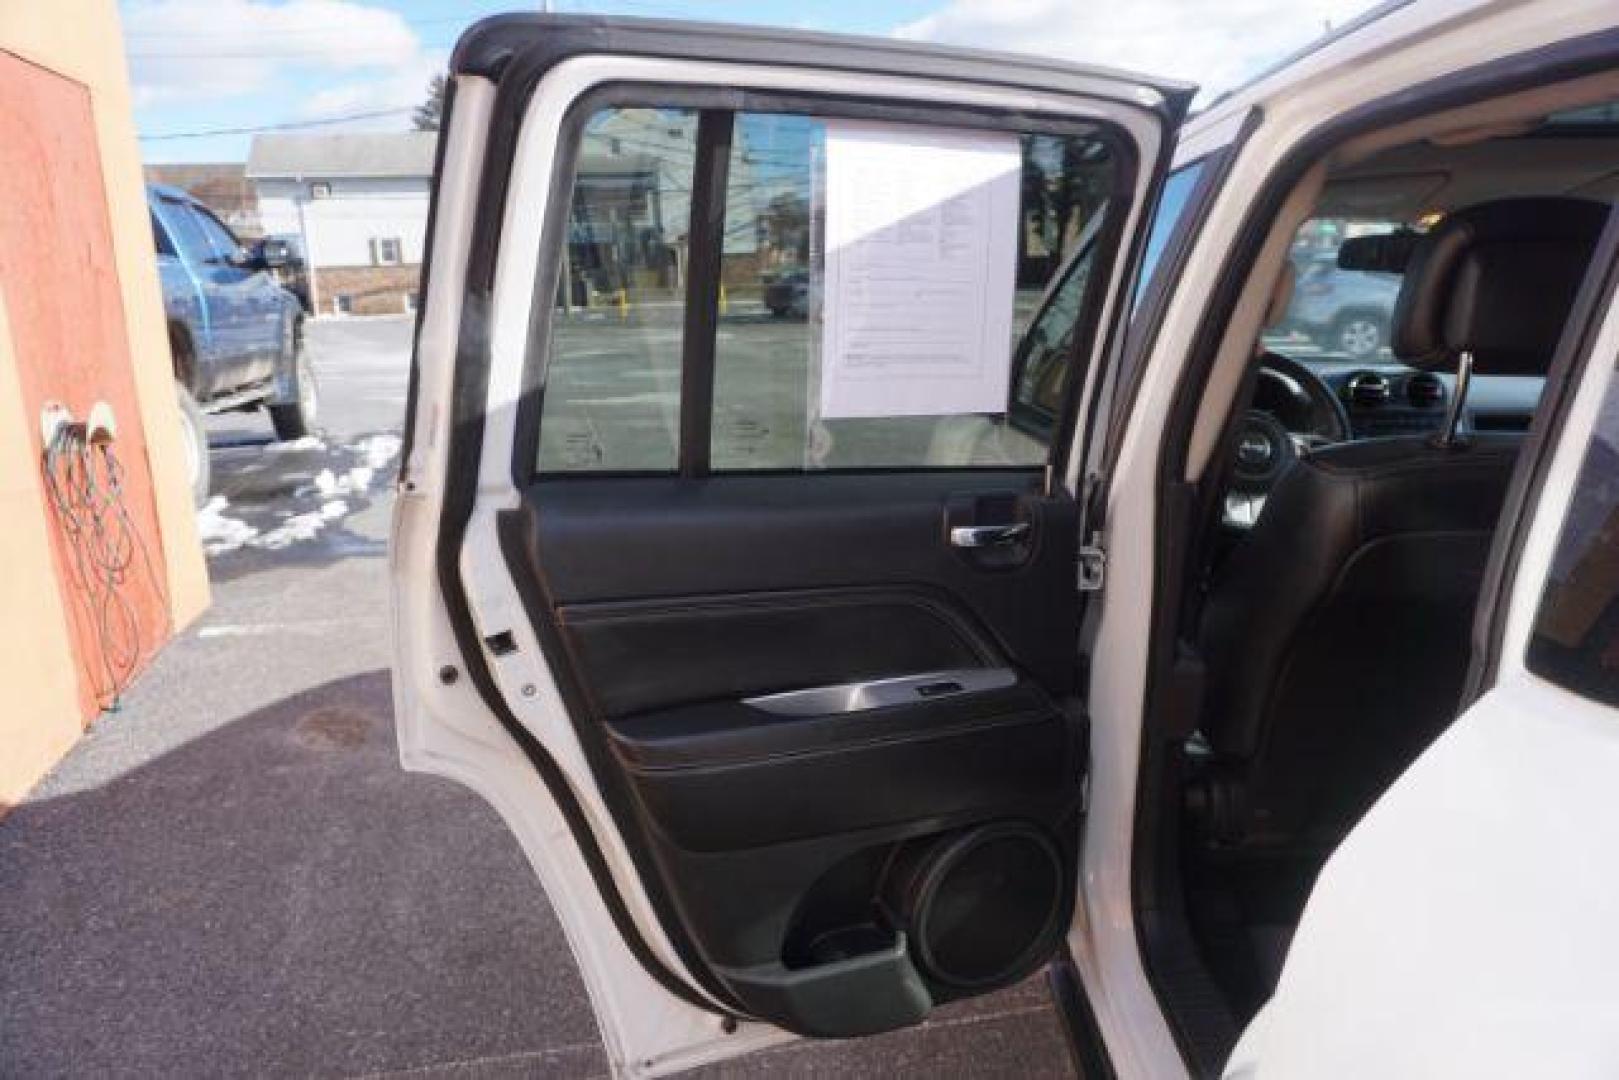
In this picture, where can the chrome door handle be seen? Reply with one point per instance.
(982, 536)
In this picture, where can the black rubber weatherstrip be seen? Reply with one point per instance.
(1558, 62)
(550, 772)
(1203, 1035)
(492, 47)
(515, 52)
(1087, 322)
(468, 393)
(1086, 1048)
(412, 387)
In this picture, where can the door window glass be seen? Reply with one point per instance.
(160, 237)
(612, 383)
(1045, 357)
(944, 243)
(219, 238)
(1575, 640)
(186, 231)
(909, 300)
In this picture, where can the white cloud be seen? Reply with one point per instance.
(1216, 45)
(198, 49)
(403, 86)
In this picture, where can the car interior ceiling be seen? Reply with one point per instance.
(1359, 496)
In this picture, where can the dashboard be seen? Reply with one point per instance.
(1299, 406)
(1392, 399)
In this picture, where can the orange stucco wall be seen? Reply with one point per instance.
(81, 320)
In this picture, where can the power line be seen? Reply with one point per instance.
(291, 125)
(280, 54)
(306, 31)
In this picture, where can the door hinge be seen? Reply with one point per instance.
(1092, 555)
(1092, 565)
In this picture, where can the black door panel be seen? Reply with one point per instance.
(756, 908)
(638, 539)
(781, 840)
(731, 733)
(648, 654)
(801, 778)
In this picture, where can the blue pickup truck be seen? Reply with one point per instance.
(236, 334)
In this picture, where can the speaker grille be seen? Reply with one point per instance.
(987, 905)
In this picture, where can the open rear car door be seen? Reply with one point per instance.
(737, 560)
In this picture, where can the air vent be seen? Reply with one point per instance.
(1425, 389)
(1367, 388)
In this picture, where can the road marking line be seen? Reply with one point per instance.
(301, 626)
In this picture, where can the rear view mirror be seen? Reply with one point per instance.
(1386, 253)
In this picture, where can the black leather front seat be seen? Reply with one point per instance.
(1337, 638)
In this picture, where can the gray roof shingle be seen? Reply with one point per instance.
(370, 154)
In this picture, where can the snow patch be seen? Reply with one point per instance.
(355, 470)
(377, 450)
(308, 442)
(353, 482)
(218, 531)
(222, 533)
(294, 530)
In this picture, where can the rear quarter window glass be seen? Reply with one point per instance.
(1575, 640)
(1177, 194)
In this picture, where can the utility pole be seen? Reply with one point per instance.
(303, 242)
(567, 273)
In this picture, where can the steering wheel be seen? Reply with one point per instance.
(1293, 411)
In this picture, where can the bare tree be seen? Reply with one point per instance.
(430, 113)
(786, 226)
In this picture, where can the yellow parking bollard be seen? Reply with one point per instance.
(623, 303)
(722, 298)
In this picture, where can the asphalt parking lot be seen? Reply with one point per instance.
(232, 876)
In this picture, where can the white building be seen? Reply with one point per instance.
(357, 204)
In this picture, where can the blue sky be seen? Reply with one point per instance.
(202, 66)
